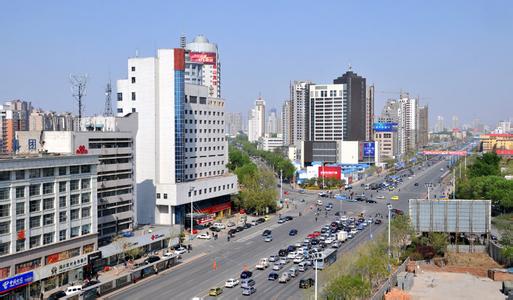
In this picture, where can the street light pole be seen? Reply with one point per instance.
(191, 190)
(389, 217)
(317, 256)
(281, 184)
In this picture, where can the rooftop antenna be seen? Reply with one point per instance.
(183, 41)
(78, 90)
(350, 67)
(108, 103)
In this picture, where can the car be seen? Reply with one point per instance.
(293, 232)
(232, 231)
(395, 198)
(348, 187)
(416, 184)
(267, 218)
(268, 238)
(283, 252)
(291, 248)
(277, 266)
(343, 219)
(246, 274)
(180, 250)
(151, 259)
(291, 255)
(273, 276)
(306, 283)
(273, 258)
(219, 225)
(298, 259)
(371, 201)
(302, 191)
(302, 266)
(73, 290)
(215, 291)
(293, 272)
(298, 245)
(204, 236)
(260, 220)
(319, 202)
(57, 295)
(377, 221)
(239, 228)
(215, 229)
(249, 291)
(247, 225)
(281, 220)
(336, 244)
(328, 208)
(380, 197)
(284, 278)
(232, 282)
(266, 232)
(230, 224)
(397, 211)
(289, 218)
(247, 283)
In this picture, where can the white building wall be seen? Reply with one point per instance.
(349, 152)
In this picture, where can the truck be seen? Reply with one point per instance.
(262, 264)
(342, 236)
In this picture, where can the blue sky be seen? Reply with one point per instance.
(457, 55)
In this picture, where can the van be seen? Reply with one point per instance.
(247, 283)
(74, 289)
(219, 225)
(302, 267)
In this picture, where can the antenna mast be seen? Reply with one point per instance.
(78, 90)
(108, 103)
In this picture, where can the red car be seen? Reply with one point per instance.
(316, 233)
(311, 236)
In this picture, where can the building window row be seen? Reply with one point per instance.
(195, 149)
(215, 189)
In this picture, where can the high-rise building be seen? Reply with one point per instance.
(286, 124)
(233, 123)
(299, 111)
(357, 110)
(455, 122)
(256, 121)
(180, 142)
(14, 116)
(423, 128)
(327, 114)
(385, 135)
(369, 113)
(408, 123)
(440, 124)
(272, 122)
(202, 65)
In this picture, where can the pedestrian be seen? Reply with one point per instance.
(315, 219)
(228, 238)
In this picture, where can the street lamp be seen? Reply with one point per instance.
(428, 186)
(281, 184)
(316, 257)
(191, 190)
(389, 206)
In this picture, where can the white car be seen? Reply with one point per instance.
(204, 236)
(298, 259)
(72, 290)
(335, 244)
(219, 225)
(180, 251)
(343, 218)
(319, 202)
(380, 197)
(231, 283)
(298, 245)
(277, 266)
(328, 241)
(291, 255)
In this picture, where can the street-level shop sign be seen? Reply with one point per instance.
(16, 281)
(61, 267)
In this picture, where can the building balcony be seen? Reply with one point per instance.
(114, 167)
(114, 183)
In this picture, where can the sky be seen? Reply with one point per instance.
(457, 56)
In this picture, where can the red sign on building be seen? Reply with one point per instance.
(330, 172)
(81, 150)
(203, 57)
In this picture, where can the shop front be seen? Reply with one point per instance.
(16, 287)
(218, 211)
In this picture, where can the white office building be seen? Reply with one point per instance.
(256, 121)
(202, 65)
(408, 123)
(180, 142)
(299, 114)
(270, 143)
(327, 112)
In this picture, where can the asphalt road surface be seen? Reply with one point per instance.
(196, 277)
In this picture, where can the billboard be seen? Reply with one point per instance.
(444, 152)
(207, 58)
(369, 149)
(330, 172)
(384, 127)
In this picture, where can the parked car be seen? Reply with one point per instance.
(180, 250)
(232, 231)
(215, 229)
(230, 224)
(219, 225)
(273, 276)
(260, 220)
(246, 274)
(204, 236)
(281, 220)
(151, 259)
(247, 225)
(306, 283)
(371, 201)
(239, 228)
(57, 295)
(249, 291)
(215, 291)
(73, 290)
(289, 218)
(231, 283)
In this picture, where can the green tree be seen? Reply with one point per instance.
(401, 234)
(486, 165)
(439, 242)
(237, 158)
(347, 287)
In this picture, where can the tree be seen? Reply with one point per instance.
(348, 287)
(401, 234)
(439, 242)
(486, 165)
(237, 158)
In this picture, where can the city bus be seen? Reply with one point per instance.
(328, 257)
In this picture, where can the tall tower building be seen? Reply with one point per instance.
(180, 144)
(14, 116)
(440, 125)
(286, 125)
(327, 117)
(233, 123)
(256, 121)
(357, 110)
(408, 120)
(272, 122)
(423, 130)
(299, 105)
(202, 65)
(369, 113)
(455, 122)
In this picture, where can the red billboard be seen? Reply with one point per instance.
(330, 172)
(207, 58)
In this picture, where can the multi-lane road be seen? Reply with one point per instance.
(198, 275)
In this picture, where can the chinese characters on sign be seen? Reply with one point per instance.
(16, 281)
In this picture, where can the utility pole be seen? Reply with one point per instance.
(191, 190)
(78, 90)
(281, 184)
(454, 184)
(389, 217)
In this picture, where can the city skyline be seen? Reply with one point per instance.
(69, 43)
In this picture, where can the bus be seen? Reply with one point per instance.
(328, 257)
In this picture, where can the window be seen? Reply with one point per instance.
(86, 198)
(35, 205)
(86, 229)
(74, 169)
(4, 227)
(4, 194)
(20, 208)
(62, 171)
(5, 176)
(35, 190)
(133, 69)
(4, 248)
(133, 96)
(20, 174)
(75, 231)
(62, 186)
(133, 79)
(62, 217)
(120, 110)
(48, 238)
(47, 188)
(20, 224)
(34, 173)
(20, 245)
(165, 196)
(48, 172)
(133, 109)
(73, 185)
(48, 219)
(20, 192)
(35, 222)
(74, 200)
(74, 214)
(35, 241)
(86, 212)
(86, 183)
(158, 195)
(120, 96)
(85, 169)
(62, 235)
(62, 201)
(47, 203)
(27, 265)
(4, 210)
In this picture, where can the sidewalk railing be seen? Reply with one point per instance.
(390, 283)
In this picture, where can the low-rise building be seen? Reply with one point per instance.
(48, 223)
(270, 143)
